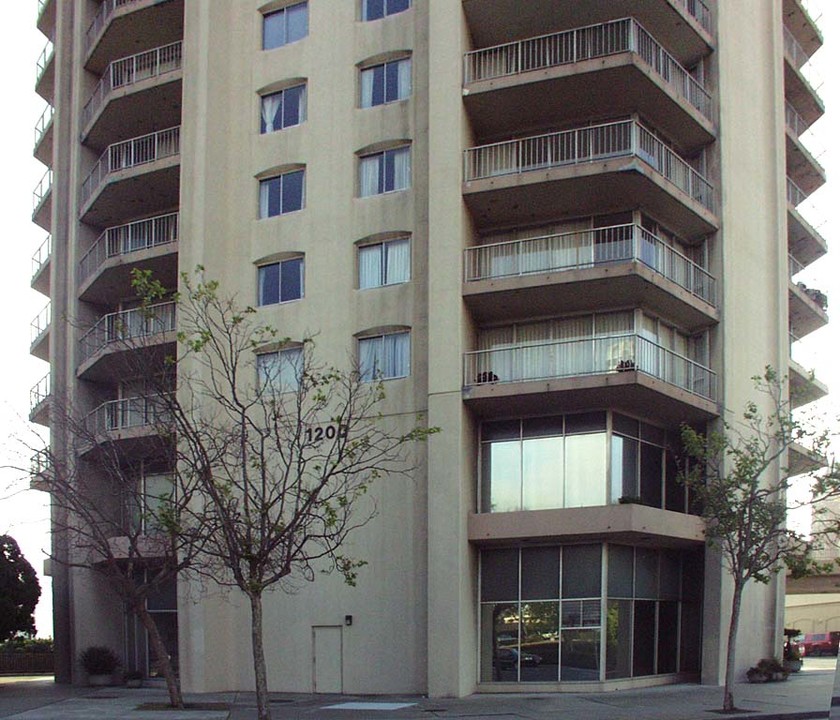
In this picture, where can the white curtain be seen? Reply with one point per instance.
(265, 189)
(402, 168)
(269, 107)
(370, 266)
(537, 353)
(290, 368)
(368, 76)
(496, 362)
(397, 261)
(369, 350)
(369, 169)
(403, 78)
(395, 361)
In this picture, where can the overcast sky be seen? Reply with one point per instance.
(25, 516)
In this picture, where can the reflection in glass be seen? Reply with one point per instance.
(539, 649)
(500, 642)
(505, 476)
(624, 474)
(542, 479)
(579, 654)
(582, 571)
(586, 470)
(619, 634)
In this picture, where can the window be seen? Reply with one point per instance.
(385, 172)
(386, 83)
(384, 357)
(283, 109)
(280, 282)
(280, 371)
(282, 194)
(285, 26)
(386, 263)
(376, 9)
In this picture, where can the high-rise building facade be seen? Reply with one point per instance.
(557, 230)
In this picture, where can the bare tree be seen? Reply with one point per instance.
(281, 451)
(741, 477)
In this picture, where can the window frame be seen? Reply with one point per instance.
(382, 158)
(385, 12)
(385, 64)
(384, 280)
(372, 375)
(270, 383)
(302, 109)
(263, 182)
(284, 12)
(279, 264)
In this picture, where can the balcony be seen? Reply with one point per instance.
(41, 471)
(138, 24)
(806, 309)
(43, 147)
(142, 332)
(135, 95)
(591, 170)
(46, 17)
(625, 372)
(135, 177)
(40, 334)
(136, 424)
(45, 73)
(42, 201)
(801, 25)
(802, 167)
(800, 82)
(804, 386)
(105, 269)
(684, 27)
(611, 69)
(39, 402)
(41, 266)
(804, 242)
(622, 266)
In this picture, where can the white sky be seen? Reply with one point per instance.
(26, 516)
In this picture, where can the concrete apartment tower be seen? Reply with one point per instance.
(559, 229)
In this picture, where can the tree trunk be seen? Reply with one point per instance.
(173, 685)
(263, 707)
(729, 678)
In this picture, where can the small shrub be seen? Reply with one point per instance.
(99, 660)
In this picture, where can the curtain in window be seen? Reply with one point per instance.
(269, 108)
(617, 349)
(395, 360)
(368, 76)
(369, 350)
(497, 363)
(267, 369)
(370, 266)
(265, 195)
(404, 78)
(575, 350)
(369, 171)
(289, 370)
(397, 261)
(402, 168)
(537, 352)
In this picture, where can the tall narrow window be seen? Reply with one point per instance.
(285, 26)
(280, 282)
(283, 109)
(386, 263)
(376, 9)
(280, 371)
(282, 194)
(384, 357)
(386, 83)
(385, 172)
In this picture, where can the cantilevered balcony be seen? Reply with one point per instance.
(142, 332)
(42, 201)
(105, 269)
(40, 471)
(46, 17)
(589, 170)
(802, 166)
(807, 309)
(801, 25)
(626, 372)
(45, 73)
(41, 267)
(40, 334)
(44, 136)
(133, 178)
(684, 27)
(800, 82)
(804, 241)
(623, 265)
(135, 95)
(136, 424)
(39, 401)
(612, 69)
(804, 387)
(139, 24)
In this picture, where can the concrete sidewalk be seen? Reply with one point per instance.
(804, 696)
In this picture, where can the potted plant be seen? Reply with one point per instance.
(767, 670)
(133, 679)
(99, 662)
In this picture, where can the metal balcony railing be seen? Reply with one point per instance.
(40, 324)
(595, 143)
(100, 20)
(699, 11)
(125, 326)
(42, 189)
(41, 5)
(586, 249)
(43, 123)
(798, 199)
(130, 70)
(39, 392)
(127, 239)
(594, 41)
(132, 153)
(43, 61)
(794, 266)
(42, 255)
(41, 463)
(797, 125)
(135, 412)
(592, 356)
(799, 58)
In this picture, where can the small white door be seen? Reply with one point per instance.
(326, 659)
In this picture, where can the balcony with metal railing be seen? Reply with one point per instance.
(45, 73)
(40, 334)
(137, 424)
(622, 265)
(39, 405)
(141, 174)
(804, 240)
(609, 69)
(41, 471)
(801, 19)
(587, 170)
(801, 81)
(139, 331)
(620, 371)
(42, 201)
(119, 105)
(141, 24)
(807, 309)
(801, 164)
(684, 27)
(41, 267)
(46, 17)
(803, 385)
(43, 147)
(107, 266)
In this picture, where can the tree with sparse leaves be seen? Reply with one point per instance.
(740, 477)
(19, 591)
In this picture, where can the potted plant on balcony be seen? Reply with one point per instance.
(99, 662)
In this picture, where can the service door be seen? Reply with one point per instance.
(326, 659)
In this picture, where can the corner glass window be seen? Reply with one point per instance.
(285, 26)
(377, 9)
(385, 83)
(283, 109)
(280, 282)
(282, 194)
